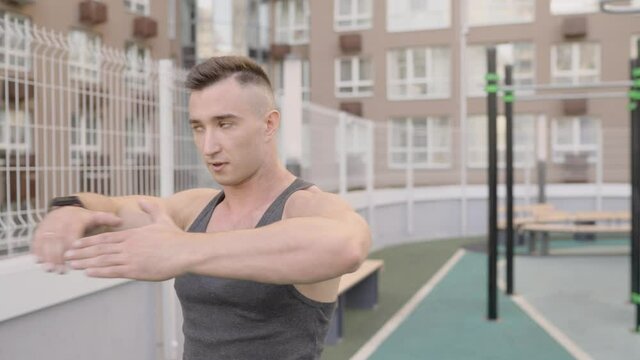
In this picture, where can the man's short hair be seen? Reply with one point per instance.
(243, 69)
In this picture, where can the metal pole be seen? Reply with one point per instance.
(508, 109)
(635, 191)
(167, 188)
(492, 249)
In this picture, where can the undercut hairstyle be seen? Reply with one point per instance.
(244, 70)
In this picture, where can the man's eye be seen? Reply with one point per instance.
(225, 125)
(197, 128)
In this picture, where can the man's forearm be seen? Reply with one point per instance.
(292, 251)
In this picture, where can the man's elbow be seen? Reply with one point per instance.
(359, 244)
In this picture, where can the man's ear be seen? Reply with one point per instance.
(272, 122)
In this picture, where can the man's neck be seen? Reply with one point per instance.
(259, 190)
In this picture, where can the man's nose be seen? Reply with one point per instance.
(211, 143)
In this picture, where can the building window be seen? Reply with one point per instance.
(634, 46)
(15, 41)
(575, 63)
(431, 142)
(84, 56)
(292, 22)
(15, 128)
(412, 15)
(138, 65)
(418, 73)
(352, 15)
(142, 7)
(354, 77)
(258, 29)
(499, 12)
(568, 7)
(138, 140)
(520, 55)
(523, 141)
(575, 136)
(85, 135)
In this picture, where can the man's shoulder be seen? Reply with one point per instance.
(186, 205)
(313, 201)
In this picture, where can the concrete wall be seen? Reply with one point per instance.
(116, 323)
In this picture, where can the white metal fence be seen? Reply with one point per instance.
(77, 116)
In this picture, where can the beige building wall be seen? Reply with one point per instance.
(64, 16)
(612, 32)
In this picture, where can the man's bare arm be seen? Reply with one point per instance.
(323, 238)
(100, 213)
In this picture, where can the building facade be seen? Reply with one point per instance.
(419, 66)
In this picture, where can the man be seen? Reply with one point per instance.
(257, 266)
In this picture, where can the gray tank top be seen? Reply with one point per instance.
(237, 319)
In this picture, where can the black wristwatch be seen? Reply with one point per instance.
(65, 201)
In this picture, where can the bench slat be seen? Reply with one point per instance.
(368, 267)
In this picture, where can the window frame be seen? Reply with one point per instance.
(429, 149)
(138, 71)
(78, 152)
(408, 28)
(354, 17)
(575, 146)
(412, 80)
(471, 23)
(11, 51)
(91, 44)
(285, 33)
(594, 9)
(353, 83)
(518, 163)
(136, 129)
(473, 92)
(6, 143)
(575, 60)
(131, 5)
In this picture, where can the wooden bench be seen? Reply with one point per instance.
(576, 228)
(358, 289)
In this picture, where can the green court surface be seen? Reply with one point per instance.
(406, 268)
(450, 324)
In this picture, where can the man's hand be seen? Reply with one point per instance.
(60, 228)
(146, 253)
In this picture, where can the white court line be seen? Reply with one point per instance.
(392, 324)
(545, 324)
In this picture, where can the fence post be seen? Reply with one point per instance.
(165, 106)
(370, 171)
(410, 175)
(292, 115)
(342, 153)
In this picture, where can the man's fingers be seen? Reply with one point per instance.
(98, 261)
(106, 238)
(99, 218)
(118, 271)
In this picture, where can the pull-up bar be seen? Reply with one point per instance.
(601, 95)
(558, 86)
(493, 89)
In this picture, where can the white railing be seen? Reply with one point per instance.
(68, 126)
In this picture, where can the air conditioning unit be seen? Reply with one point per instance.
(19, 2)
(93, 12)
(145, 27)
